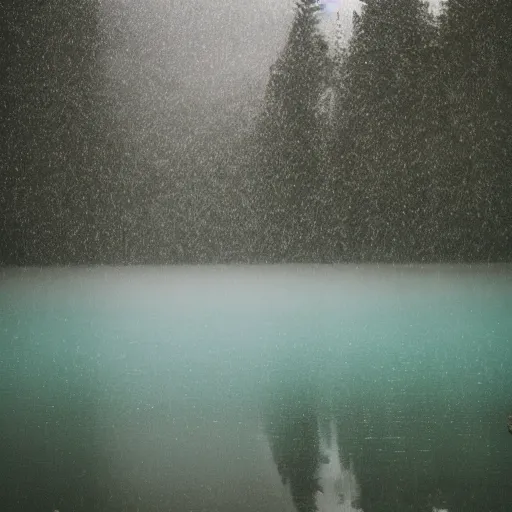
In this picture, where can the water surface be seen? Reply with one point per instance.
(277, 388)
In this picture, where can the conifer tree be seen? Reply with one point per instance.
(476, 72)
(288, 141)
(383, 119)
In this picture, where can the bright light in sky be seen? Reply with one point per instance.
(328, 6)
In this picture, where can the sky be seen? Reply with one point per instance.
(215, 48)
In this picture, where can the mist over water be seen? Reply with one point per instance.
(333, 388)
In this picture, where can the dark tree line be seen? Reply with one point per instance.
(412, 162)
(291, 423)
(393, 148)
(289, 136)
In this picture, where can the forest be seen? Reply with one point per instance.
(392, 147)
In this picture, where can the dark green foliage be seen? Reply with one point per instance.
(291, 425)
(475, 93)
(394, 149)
(289, 140)
(383, 117)
(414, 163)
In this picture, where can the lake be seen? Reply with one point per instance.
(256, 388)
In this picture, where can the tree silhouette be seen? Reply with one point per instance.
(289, 142)
(291, 425)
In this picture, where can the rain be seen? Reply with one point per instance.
(255, 256)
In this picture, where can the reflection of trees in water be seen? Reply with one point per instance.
(340, 488)
(291, 425)
(425, 454)
(413, 452)
(303, 440)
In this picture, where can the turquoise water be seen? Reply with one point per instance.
(256, 388)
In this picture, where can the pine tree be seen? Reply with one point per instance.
(476, 71)
(288, 141)
(383, 118)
